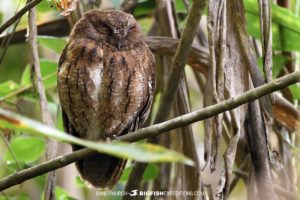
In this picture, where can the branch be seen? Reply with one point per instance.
(156, 129)
(46, 115)
(197, 56)
(19, 14)
(180, 58)
(129, 5)
(177, 71)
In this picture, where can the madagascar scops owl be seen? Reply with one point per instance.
(106, 81)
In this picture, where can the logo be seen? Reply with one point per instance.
(133, 193)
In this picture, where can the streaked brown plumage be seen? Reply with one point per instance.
(106, 81)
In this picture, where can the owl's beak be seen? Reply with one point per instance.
(119, 45)
(120, 38)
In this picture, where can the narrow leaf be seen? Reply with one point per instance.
(142, 152)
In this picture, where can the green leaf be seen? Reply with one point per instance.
(144, 7)
(290, 23)
(26, 76)
(253, 28)
(1, 17)
(18, 197)
(278, 63)
(280, 15)
(151, 172)
(295, 90)
(15, 57)
(8, 87)
(43, 7)
(142, 152)
(291, 40)
(48, 71)
(180, 7)
(79, 182)
(125, 174)
(53, 43)
(25, 149)
(61, 194)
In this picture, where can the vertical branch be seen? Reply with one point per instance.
(288, 160)
(167, 26)
(214, 88)
(129, 5)
(266, 37)
(257, 143)
(178, 64)
(46, 115)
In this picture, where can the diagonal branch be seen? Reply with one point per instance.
(180, 58)
(155, 130)
(19, 14)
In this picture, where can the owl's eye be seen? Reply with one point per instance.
(132, 28)
(103, 28)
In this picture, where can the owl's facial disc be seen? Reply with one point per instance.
(114, 27)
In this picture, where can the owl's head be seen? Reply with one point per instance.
(116, 28)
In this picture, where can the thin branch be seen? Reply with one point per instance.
(198, 56)
(56, 28)
(6, 143)
(5, 43)
(180, 58)
(19, 14)
(266, 35)
(258, 147)
(156, 129)
(129, 5)
(32, 39)
(46, 115)
(25, 88)
(177, 70)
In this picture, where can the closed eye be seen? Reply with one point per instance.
(104, 29)
(133, 28)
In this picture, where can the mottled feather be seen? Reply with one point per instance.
(106, 81)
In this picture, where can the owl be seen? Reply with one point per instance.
(106, 81)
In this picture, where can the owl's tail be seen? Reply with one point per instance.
(100, 170)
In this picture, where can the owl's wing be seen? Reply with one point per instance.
(66, 123)
(63, 56)
(65, 119)
(145, 110)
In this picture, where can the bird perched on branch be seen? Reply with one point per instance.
(106, 81)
